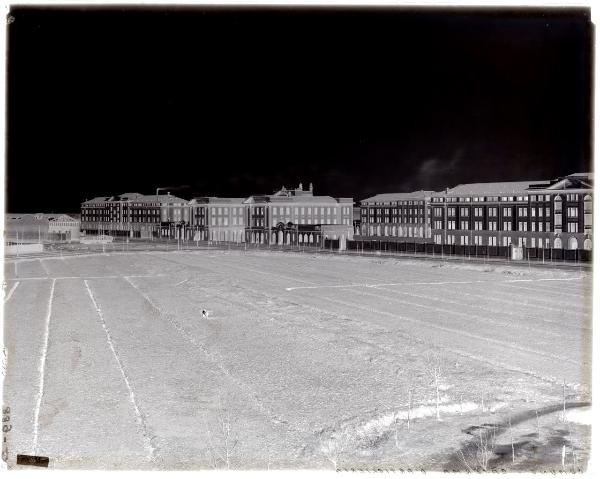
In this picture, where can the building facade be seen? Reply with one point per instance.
(297, 216)
(285, 217)
(217, 219)
(553, 214)
(64, 227)
(397, 217)
(547, 215)
(136, 216)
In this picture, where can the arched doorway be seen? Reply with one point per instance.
(573, 244)
(587, 244)
(557, 243)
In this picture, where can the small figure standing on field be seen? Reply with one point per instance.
(205, 314)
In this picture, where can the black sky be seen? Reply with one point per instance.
(235, 102)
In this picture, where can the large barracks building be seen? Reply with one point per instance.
(494, 218)
(546, 215)
(288, 216)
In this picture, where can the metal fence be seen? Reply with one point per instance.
(476, 251)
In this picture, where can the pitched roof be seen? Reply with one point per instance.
(302, 199)
(63, 218)
(97, 199)
(387, 197)
(216, 200)
(138, 198)
(489, 189)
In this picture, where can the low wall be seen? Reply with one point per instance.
(96, 239)
(23, 248)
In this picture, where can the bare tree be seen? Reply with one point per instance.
(333, 448)
(482, 450)
(512, 442)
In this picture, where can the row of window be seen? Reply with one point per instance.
(393, 211)
(571, 197)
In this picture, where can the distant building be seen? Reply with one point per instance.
(65, 227)
(297, 216)
(40, 227)
(285, 217)
(135, 215)
(397, 217)
(218, 219)
(481, 214)
(555, 214)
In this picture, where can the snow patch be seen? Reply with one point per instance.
(42, 370)
(380, 424)
(581, 415)
(11, 291)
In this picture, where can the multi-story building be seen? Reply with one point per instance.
(481, 214)
(562, 210)
(136, 215)
(546, 215)
(297, 216)
(553, 214)
(397, 217)
(218, 219)
(285, 217)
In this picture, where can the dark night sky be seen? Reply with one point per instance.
(235, 102)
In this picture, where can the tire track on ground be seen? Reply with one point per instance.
(42, 370)
(147, 439)
(217, 360)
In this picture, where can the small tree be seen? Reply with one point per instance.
(333, 448)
